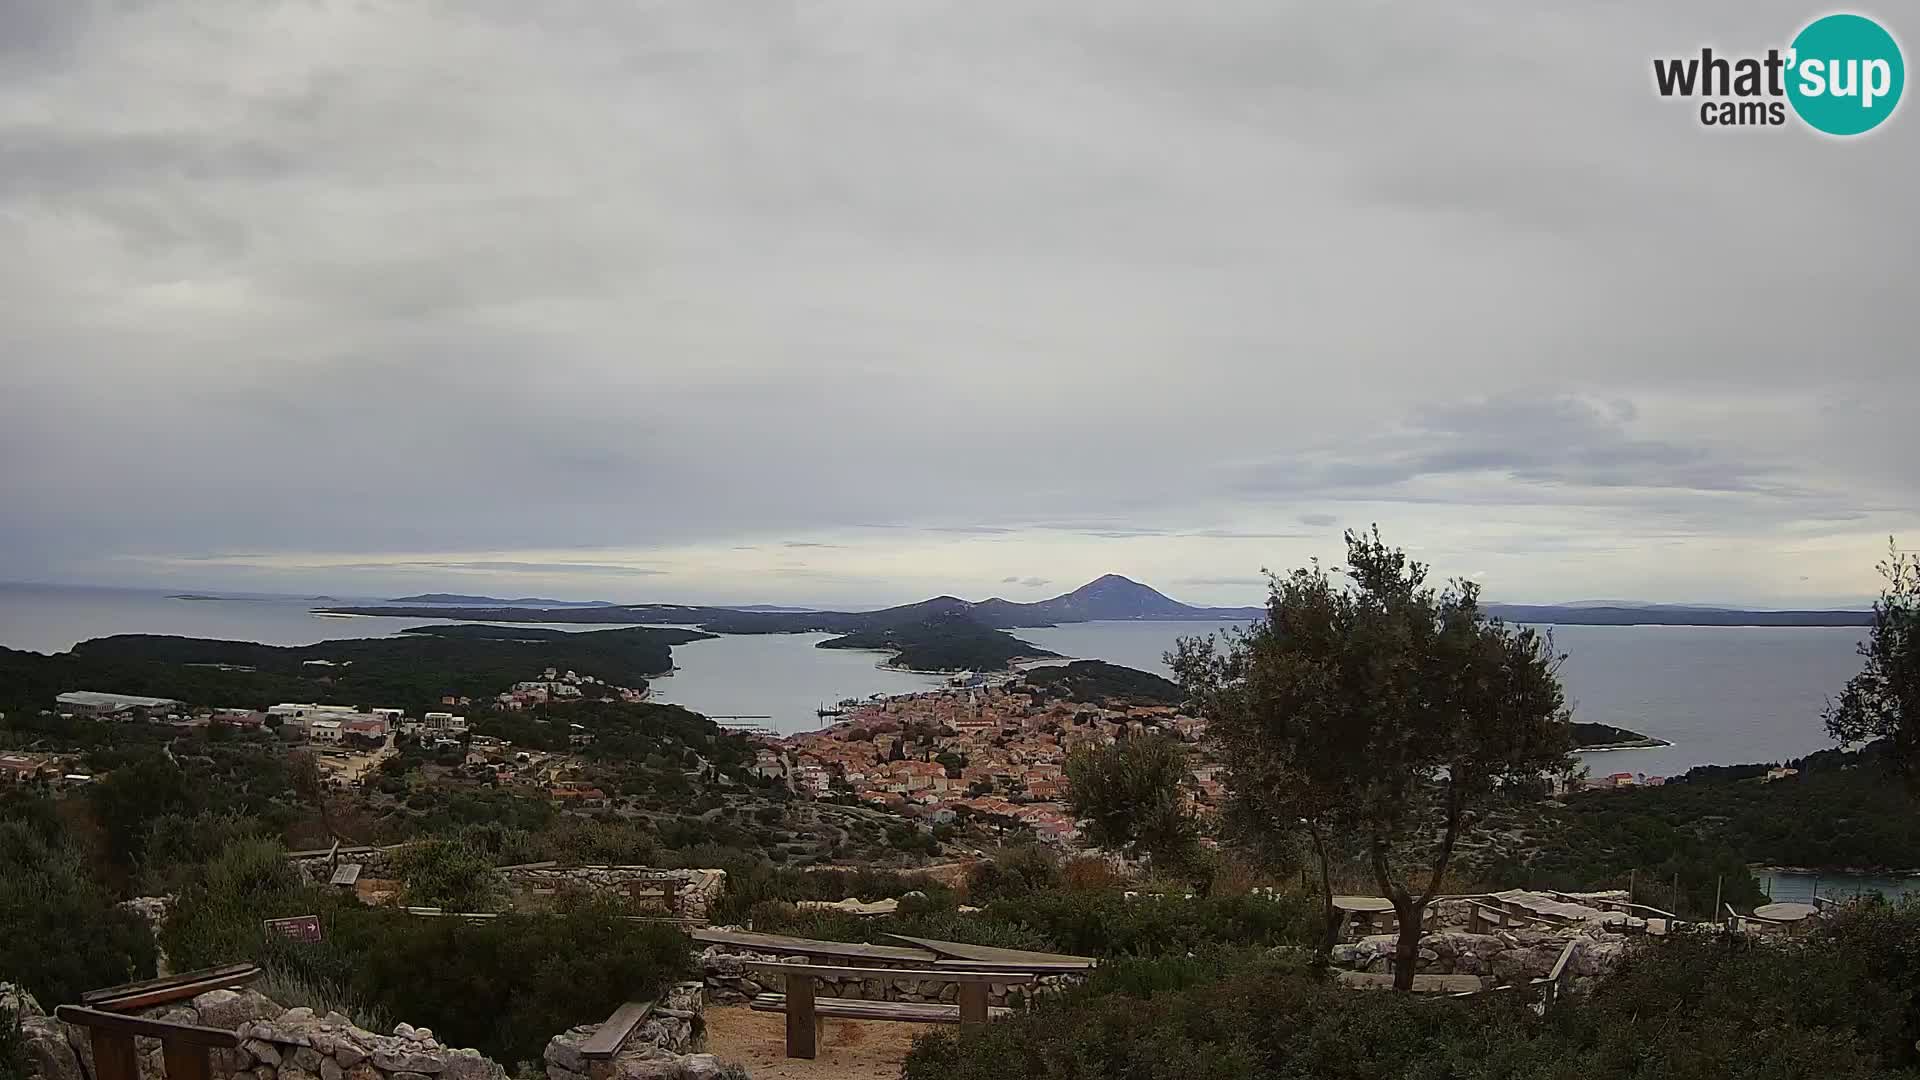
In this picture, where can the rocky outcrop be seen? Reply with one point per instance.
(152, 910)
(662, 1048)
(49, 1055)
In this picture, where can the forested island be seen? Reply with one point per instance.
(412, 670)
(1096, 681)
(950, 642)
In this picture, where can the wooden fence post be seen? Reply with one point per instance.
(803, 1025)
(973, 1003)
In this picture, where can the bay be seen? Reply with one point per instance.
(1721, 695)
(54, 618)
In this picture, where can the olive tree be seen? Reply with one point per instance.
(1376, 713)
(1883, 700)
(1129, 796)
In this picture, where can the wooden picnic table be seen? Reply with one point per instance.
(798, 946)
(960, 954)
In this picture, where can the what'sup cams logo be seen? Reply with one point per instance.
(1842, 75)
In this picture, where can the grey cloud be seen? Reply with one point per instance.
(1104, 277)
(1234, 580)
(499, 565)
(1556, 440)
(1029, 582)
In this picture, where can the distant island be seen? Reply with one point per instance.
(524, 601)
(943, 642)
(1671, 615)
(1608, 737)
(413, 670)
(1107, 598)
(1095, 681)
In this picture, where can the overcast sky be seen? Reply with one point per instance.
(854, 302)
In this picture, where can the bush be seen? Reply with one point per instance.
(504, 985)
(60, 934)
(750, 882)
(1109, 923)
(13, 1050)
(1013, 872)
(1688, 1007)
(448, 874)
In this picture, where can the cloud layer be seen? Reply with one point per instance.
(843, 302)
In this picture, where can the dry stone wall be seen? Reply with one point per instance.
(728, 981)
(275, 1044)
(297, 1044)
(694, 891)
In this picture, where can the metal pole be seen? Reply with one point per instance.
(1676, 894)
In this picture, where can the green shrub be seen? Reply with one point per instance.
(1689, 1007)
(60, 934)
(1013, 872)
(450, 874)
(1110, 923)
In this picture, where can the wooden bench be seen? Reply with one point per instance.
(612, 1034)
(183, 1047)
(804, 1012)
(915, 1012)
(1485, 917)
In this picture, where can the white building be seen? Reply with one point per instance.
(325, 730)
(93, 702)
(444, 722)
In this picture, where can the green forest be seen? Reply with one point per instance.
(412, 671)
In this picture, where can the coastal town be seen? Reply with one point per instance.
(984, 753)
(993, 755)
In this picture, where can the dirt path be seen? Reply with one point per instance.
(849, 1049)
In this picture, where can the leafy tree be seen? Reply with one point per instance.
(1129, 795)
(1378, 714)
(1883, 700)
(131, 796)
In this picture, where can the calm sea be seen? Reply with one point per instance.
(1721, 695)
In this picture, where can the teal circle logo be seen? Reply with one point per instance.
(1845, 74)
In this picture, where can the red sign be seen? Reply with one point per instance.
(297, 928)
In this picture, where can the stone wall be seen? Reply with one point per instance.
(695, 891)
(316, 867)
(729, 981)
(276, 1044)
(1502, 958)
(297, 1044)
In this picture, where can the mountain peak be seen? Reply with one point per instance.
(1111, 596)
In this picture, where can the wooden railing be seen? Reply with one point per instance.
(128, 997)
(183, 1047)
